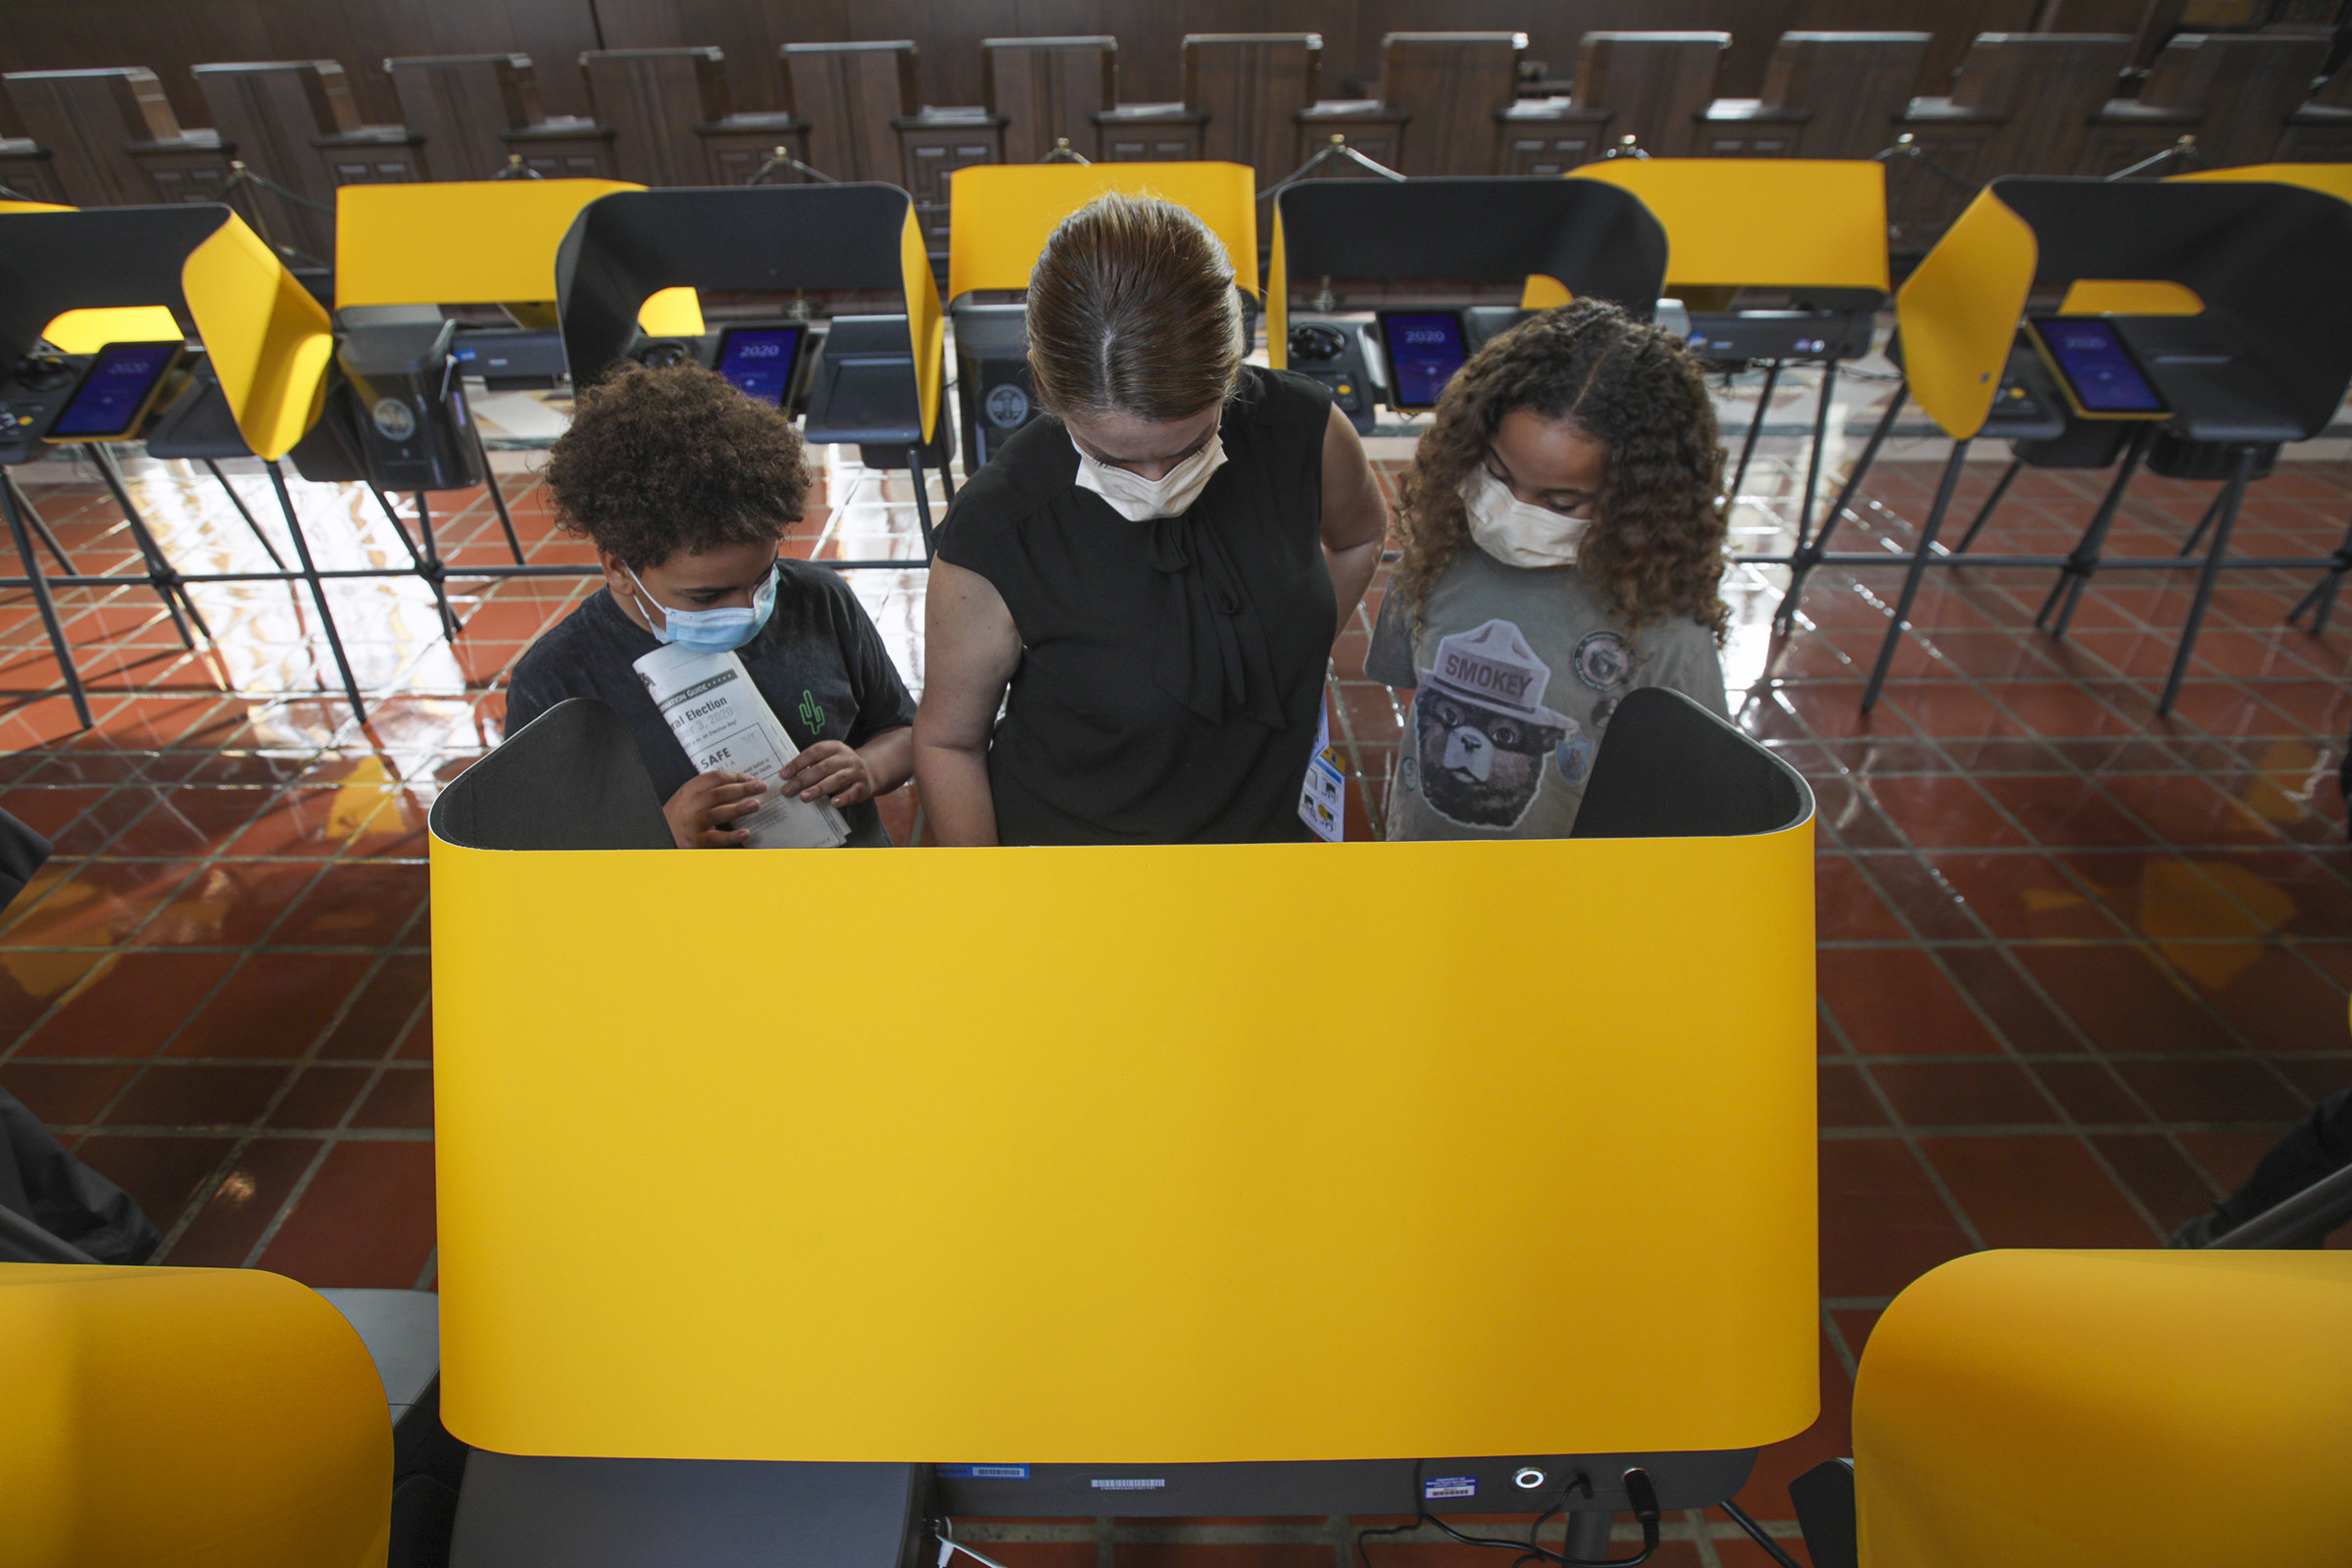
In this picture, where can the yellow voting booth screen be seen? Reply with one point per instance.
(1138, 1153)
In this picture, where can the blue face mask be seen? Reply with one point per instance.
(709, 631)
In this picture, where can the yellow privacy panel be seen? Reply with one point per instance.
(88, 331)
(2120, 295)
(474, 242)
(205, 1418)
(1140, 1164)
(2071, 1409)
(2329, 179)
(1958, 312)
(926, 322)
(672, 312)
(269, 341)
(1005, 212)
(1762, 223)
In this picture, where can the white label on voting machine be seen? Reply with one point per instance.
(1323, 798)
(723, 721)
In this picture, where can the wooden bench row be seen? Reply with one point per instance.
(1445, 104)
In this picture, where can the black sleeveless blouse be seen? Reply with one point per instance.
(1171, 671)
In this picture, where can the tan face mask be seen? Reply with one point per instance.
(1139, 500)
(1516, 533)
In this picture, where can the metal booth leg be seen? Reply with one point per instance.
(161, 574)
(2212, 510)
(1755, 428)
(922, 499)
(1808, 555)
(1919, 569)
(430, 566)
(498, 497)
(1821, 434)
(2233, 494)
(48, 607)
(310, 573)
(2322, 593)
(2000, 488)
(251, 522)
(40, 529)
(2084, 559)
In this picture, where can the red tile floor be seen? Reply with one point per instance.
(2078, 963)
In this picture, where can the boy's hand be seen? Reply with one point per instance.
(704, 807)
(832, 770)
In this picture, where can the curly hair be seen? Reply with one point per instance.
(662, 461)
(1655, 548)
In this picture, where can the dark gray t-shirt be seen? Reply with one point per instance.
(819, 662)
(1516, 673)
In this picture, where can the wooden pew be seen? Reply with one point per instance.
(296, 123)
(2020, 104)
(2317, 132)
(1048, 88)
(113, 138)
(475, 111)
(1654, 86)
(1826, 95)
(1449, 86)
(866, 121)
(852, 97)
(673, 119)
(2233, 91)
(27, 172)
(1247, 87)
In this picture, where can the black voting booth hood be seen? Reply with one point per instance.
(1597, 240)
(2270, 357)
(1667, 767)
(625, 247)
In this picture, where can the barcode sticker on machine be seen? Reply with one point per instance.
(1438, 1487)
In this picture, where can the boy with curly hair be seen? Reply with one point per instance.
(1562, 544)
(684, 485)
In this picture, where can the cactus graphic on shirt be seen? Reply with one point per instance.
(812, 716)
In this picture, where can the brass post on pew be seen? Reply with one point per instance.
(782, 158)
(1907, 149)
(1064, 153)
(2183, 152)
(516, 168)
(1627, 147)
(1337, 149)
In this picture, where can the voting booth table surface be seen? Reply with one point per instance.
(2227, 294)
(1083, 1218)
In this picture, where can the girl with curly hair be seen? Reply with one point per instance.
(1562, 539)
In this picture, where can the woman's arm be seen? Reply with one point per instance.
(1355, 520)
(971, 650)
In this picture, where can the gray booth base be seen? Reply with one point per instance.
(401, 1330)
(520, 1512)
(1506, 1483)
(526, 1512)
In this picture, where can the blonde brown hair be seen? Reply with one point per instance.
(1132, 308)
(1655, 550)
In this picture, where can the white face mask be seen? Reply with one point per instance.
(1516, 533)
(1139, 500)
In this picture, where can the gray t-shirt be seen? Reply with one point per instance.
(1517, 672)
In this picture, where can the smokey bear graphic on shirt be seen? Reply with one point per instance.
(1515, 673)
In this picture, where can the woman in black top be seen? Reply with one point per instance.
(1149, 578)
